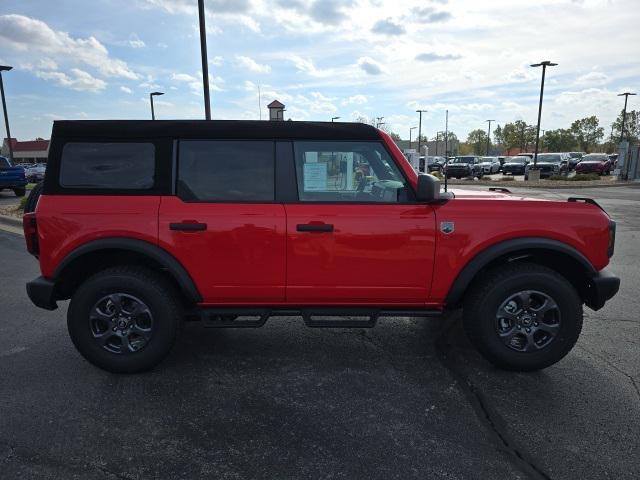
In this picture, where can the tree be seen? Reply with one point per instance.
(560, 140)
(477, 139)
(498, 136)
(518, 135)
(631, 126)
(588, 133)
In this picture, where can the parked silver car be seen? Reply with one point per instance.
(490, 165)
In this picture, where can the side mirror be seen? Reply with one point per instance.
(428, 188)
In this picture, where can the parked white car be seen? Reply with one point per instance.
(490, 165)
(35, 173)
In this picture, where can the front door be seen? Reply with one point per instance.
(224, 225)
(356, 236)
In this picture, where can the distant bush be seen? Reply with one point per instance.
(507, 179)
(437, 174)
(579, 177)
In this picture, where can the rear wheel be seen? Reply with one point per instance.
(20, 192)
(32, 201)
(124, 319)
(523, 317)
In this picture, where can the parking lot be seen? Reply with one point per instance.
(407, 399)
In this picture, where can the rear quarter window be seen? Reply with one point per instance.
(108, 165)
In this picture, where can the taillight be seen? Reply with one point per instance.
(30, 227)
(612, 238)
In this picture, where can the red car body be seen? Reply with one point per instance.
(382, 255)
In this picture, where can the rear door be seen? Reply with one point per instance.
(223, 224)
(356, 236)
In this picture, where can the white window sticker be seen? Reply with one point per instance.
(315, 177)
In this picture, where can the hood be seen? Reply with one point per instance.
(461, 193)
(592, 162)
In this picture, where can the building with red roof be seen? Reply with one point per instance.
(29, 151)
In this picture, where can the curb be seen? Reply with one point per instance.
(11, 221)
(543, 186)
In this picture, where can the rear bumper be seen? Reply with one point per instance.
(602, 287)
(13, 184)
(41, 293)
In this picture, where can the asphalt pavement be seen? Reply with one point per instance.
(407, 399)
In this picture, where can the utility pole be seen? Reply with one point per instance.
(420, 129)
(6, 68)
(334, 118)
(205, 61)
(544, 66)
(489, 136)
(379, 122)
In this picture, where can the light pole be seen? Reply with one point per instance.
(334, 118)
(544, 66)
(6, 68)
(624, 113)
(420, 129)
(446, 137)
(205, 62)
(379, 122)
(489, 136)
(151, 95)
(411, 130)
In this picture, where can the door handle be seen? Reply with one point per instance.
(314, 227)
(188, 226)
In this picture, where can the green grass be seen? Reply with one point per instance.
(579, 177)
(23, 202)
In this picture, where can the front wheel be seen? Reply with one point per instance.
(523, 316)
(124, 319)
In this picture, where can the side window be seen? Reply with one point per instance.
(4, 162)
(329, 171)
(119, 166)
(226, 171)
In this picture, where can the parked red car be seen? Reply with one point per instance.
(599, 163)
(144, 223)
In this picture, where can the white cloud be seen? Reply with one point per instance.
(126, 90)
(76, 80)
(592, 78)
(355, 100)
(136, 42)
(250, 64)
(183, 77)
(216, 61)
(30, 37)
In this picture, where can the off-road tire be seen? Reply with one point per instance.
(144, 284)
(32, 200)
(492, 289)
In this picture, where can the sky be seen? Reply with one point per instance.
(99, 59)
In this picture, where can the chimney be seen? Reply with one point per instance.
(276, 111)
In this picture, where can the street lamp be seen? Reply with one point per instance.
(489, 136)
(334, 118)
(544, 66)
(624, 114)
(6, 68)
(420, 128)
(411, 130)
(205, 62)
(151, 95)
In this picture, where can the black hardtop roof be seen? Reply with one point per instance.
(220, 129)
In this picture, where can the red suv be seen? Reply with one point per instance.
(145, 223)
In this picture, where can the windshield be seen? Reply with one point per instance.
(549, 157)
(516, 160)
(488, 159)
(463, 160)
(4, 162)
(595, 157)
(575, 154)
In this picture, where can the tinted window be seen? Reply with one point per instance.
(224, 170)
(592, 157)
(549, 158)
(347, 172)
(108, 165)
(4, 162)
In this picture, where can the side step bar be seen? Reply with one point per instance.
(320, 317)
